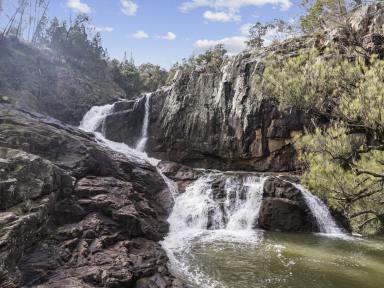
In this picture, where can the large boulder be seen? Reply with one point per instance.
(283, 207)
(280, 214)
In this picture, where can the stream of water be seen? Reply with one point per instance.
(214, 241)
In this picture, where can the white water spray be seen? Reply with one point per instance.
(201, 215)
(245, 213)
(199, 208)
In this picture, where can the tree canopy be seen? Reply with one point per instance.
(344, 156)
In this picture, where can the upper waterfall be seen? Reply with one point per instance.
(93, 122)
(144, 132)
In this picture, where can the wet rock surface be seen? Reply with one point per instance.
(182, 175)
(74, 214)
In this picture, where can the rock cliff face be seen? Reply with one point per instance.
(73, 214)
(217, 120)
(222, 120)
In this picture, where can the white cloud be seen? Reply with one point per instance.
(244, 29)
(221, 16)
(78, 6)
(233, 5)
(140, 35)
(233, 45)
(101, 28)
(169, 36)
(129, 7)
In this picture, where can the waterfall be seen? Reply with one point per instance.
(320, 211)
(236, 206)
(144, 132)
(200, 208)
(225, 70)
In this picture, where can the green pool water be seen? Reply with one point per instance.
(264, 259)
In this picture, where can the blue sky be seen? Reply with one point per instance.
(165, 31)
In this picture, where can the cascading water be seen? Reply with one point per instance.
(200, 208)
(321, 213)
(93, 122)
(144, 132)
(209, 219)
(245, 211)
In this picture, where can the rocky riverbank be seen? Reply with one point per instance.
(74, 214)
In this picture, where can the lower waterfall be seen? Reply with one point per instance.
(197, 208)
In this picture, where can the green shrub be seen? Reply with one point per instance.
(344, 159)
